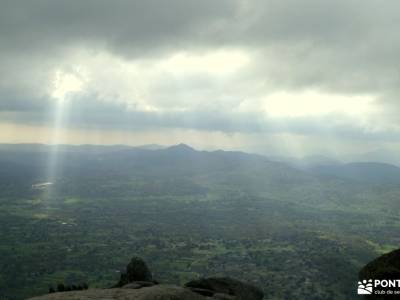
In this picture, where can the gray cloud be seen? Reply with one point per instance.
(341, 45)
(345, 46)
(90, 112)
(123, 24)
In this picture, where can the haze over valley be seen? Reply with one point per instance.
(191, 213)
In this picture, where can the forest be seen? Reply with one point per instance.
(297, 234)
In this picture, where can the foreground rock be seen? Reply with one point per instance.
(220, 287)
(386, 266)
(137, 284)
(157, 292)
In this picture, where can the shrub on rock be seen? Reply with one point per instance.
(136, 270)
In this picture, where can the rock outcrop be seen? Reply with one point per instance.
(225, 286)
(157, 292)
(137, 284)
(386, 266)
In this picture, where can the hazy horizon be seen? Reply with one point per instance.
(281, 77)
(312, 159)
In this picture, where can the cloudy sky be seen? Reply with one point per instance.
(294, 77)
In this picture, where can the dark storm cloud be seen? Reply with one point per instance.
(46, 24)
(349, 32)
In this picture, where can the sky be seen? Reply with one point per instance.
(280, 77)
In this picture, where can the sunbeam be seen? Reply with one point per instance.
(64, 85)
(58, 125)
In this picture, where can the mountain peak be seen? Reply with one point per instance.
(181, 147)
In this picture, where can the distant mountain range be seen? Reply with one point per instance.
(182, 159)
(378, 173)
(379, 155)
